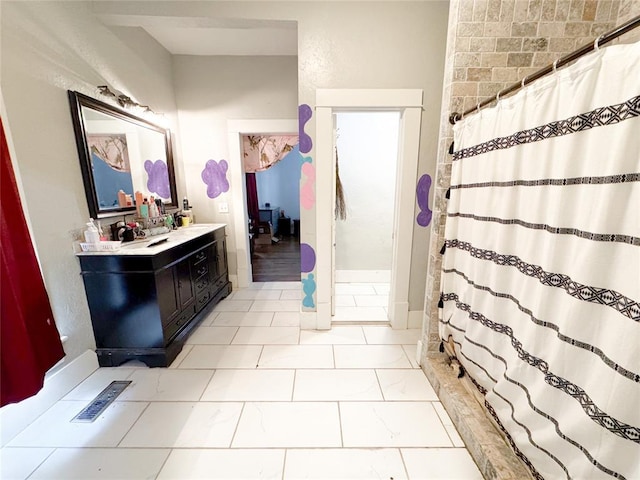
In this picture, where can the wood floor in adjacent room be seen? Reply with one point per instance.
(277, 262)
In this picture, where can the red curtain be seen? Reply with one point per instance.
(252, 199)
(29, 340)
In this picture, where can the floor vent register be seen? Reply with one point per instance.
(101, 402)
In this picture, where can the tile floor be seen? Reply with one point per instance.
(357, 302)
(251, 396)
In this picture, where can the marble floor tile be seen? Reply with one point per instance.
(291, 294)
(344, 463)
(243, 319)
(354, 289)
(98, 381)
(334, 384)
(250, 385)
(281, 285)
(345, 301)
(222, 356)
(233, 306)
(253, 294)
(212, 335)
(371, 300)
(288, 424)
(227, 464)
(440, 464)
(387, 335)
(382, 288)
(19, 462)
(360, 314)
(405, 384)
(181, 356)
(267, 336)
(411, 351)
(275, 306)
(286, 319)
(339, 335)
(392, 424)
(164, 385)
(370, 356)
(54, 428)
(102, 463)
(185, 425)
(296, 356)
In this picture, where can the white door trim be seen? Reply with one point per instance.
(409, 103)
(240, 216)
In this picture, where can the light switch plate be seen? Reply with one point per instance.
(223, 207)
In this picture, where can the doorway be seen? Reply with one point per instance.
(272, 173)
(409, 105)
(240, 216)
(366, 164)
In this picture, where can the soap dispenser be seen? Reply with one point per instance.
(91, 234)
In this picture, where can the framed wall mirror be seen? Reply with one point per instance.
(120, 154)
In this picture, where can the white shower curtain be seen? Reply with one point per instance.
(541, 272)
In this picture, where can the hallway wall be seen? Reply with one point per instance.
(209, 92)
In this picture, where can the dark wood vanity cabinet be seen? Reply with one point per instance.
(144, 306)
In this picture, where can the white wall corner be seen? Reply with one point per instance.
(415, 319)
(399, 315)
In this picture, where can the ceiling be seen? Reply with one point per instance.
(211, 36)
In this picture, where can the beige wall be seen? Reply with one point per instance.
(209, 92)
(492, 44)
(48, 48)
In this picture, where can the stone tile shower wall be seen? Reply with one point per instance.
(492, 44)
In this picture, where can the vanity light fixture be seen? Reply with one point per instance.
(125, 101)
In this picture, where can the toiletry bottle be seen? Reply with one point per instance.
(101, 234)
(185, 203)
(153, 208)
(91, 234)
(138, 204)
(144, 209)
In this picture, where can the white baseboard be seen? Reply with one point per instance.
(416, 318)
(363, 276)
(17, 416)
(308, 321)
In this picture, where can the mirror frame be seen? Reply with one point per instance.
(77, 101)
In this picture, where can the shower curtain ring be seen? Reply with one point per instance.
(596, 45)
(555, 65)
(524, 80)
(478, 107)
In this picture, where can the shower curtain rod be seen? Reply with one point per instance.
(601, 40)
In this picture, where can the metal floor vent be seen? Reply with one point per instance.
(101, 402)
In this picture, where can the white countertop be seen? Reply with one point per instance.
(173, 239)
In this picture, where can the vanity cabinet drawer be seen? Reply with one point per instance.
(176, 325)
(202, 300)
(198, 257)
(200, 270)
(218, 284)
(201, 284)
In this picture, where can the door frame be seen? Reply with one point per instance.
(409, 103)
(240, 216)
